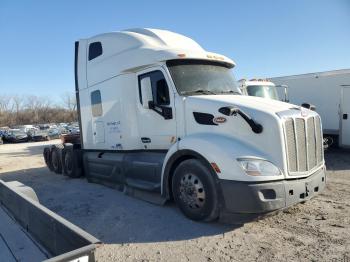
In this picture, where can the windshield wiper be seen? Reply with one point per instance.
(199, 91)
(231, 110)
(229, 92)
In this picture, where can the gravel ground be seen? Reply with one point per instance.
(134, 230)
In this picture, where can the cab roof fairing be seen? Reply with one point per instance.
(144, 47)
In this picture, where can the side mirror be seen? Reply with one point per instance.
(285, 87)
(167, 112)
(146, 92)
(309, 106)
(286, 98)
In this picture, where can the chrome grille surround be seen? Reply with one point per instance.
(303, 142)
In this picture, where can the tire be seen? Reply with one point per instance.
(47, 158)
(194, 191)
(56, 161)
(71, 163)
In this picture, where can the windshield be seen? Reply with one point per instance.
(195, 77)
(263, 91)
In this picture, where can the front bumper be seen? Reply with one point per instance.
(263, 197)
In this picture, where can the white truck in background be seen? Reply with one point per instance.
(263, 88)
(161, 118)
(330, 93)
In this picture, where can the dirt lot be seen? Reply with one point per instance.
(134, 230)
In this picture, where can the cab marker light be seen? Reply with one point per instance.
(215, 167)
(181, 55)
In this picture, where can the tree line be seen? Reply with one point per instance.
(32, 109)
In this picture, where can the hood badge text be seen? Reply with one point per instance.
(219, 120)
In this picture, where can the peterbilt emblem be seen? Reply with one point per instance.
(219, 120)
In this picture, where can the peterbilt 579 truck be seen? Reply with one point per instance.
(161, 116)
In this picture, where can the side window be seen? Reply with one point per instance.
(95, 50)
(96, 103)
(160, 90)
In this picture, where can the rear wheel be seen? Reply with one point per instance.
(56, 160)
(194, 191)
(47, 158)
(71, 165)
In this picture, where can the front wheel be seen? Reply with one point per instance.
(194, 191)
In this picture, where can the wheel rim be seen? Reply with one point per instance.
(192, 191)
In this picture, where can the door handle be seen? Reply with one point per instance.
(345, 116)
(145, 140)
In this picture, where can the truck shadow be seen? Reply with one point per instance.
(110, 215)
(31, 148)
(337, 159)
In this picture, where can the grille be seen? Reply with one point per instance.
(304, 143)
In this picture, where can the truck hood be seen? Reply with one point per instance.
(243, 102)
(269, 144)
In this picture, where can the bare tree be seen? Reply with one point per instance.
(69, 101)
(5, 102)
(19, 110)
(17, 103)
(5, 110)
(37, 106)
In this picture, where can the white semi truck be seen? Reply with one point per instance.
(330, 93)
(263, 88)
(159, 114)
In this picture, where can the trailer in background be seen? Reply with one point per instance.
(330, 93)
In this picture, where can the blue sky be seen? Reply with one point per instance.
(265, 38)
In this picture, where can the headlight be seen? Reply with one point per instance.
(259, 167)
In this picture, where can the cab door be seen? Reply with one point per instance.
(345, 117)
(156, 110)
